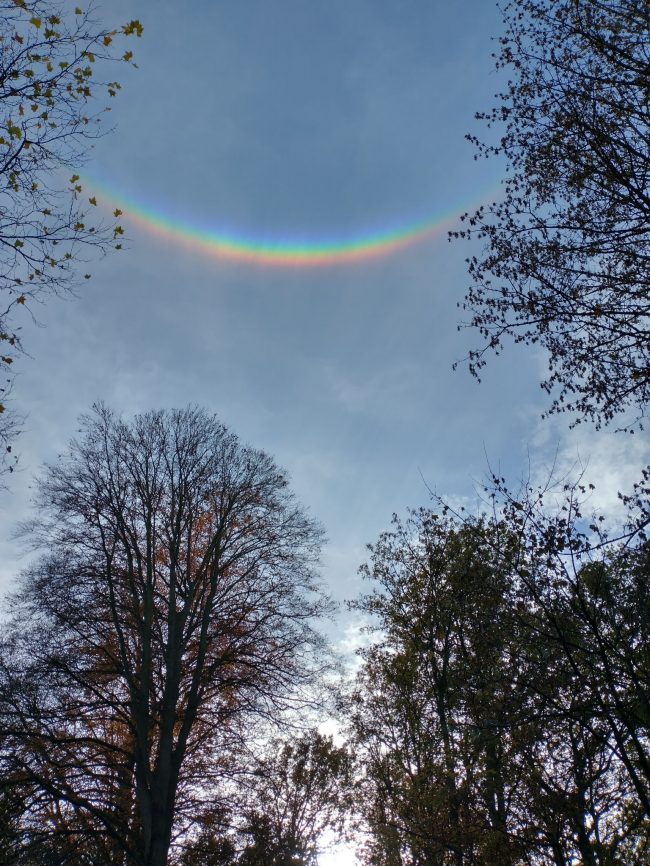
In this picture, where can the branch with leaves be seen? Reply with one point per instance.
(52, 105)
(566, 250)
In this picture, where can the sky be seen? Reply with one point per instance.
(299, 121)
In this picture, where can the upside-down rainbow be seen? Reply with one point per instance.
(235, 246)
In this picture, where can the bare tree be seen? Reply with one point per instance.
(171, 606)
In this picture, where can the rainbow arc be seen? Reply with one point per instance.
(286, 253)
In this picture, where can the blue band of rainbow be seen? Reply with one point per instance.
(236, 247)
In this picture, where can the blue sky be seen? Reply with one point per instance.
(298, 118)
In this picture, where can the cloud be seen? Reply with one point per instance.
(611, 461)
(382, 393)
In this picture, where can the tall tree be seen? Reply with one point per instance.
(172, 604)
(501, 713)
(589, 597)
(566, 260)
(430, 708)
(51, 107)
(582, 605)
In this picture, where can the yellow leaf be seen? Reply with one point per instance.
(117, 212)
(20, 300)
(133, 27)
(93, 200)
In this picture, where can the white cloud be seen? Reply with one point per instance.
(377, 393)
(611, 461)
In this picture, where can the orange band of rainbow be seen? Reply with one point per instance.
(233, 246)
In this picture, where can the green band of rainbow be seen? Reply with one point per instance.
(232, 246)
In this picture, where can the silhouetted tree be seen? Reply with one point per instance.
(301, 789)
(431, 707)
(172, 604)
(590, 599)
(566, 262)
(500, 714)
(277, 813)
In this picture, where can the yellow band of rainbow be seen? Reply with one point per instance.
(236, 247)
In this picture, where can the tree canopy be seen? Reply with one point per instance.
(172, 606)
(300, 790)
(566, 257)
(500, 713)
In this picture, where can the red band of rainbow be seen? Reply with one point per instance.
(236, 247)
